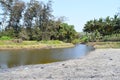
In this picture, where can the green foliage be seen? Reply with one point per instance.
(5, 38)
(84, 39)
(101, 28)
(23, 35)
(7, 32)
(38, 23)
(67, 32)
(113, 37)
(76, 41)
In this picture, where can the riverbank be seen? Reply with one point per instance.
(101, 64)
(103, 45)
(34, 45)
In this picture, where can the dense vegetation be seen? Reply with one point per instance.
(33, 21)
(101, 29)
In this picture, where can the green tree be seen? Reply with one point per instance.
(44, 20)
(67, 32)
(13, 9)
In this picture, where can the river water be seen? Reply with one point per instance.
(13, 58)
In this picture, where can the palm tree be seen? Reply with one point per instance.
(116, 24)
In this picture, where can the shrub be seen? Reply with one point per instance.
(76, 41)
(17, 40)
(5, 38)
(113, 37)
(84, 39)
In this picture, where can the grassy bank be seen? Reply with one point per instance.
(8, 44)
(105, 44)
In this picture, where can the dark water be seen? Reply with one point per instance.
(12, 58)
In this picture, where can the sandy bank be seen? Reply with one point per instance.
(101, 64)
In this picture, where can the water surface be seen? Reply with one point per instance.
(12, 58)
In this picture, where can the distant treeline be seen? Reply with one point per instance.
(33, 21)
(102, 28)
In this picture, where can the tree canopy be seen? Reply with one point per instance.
(33, 21)
(103, 26)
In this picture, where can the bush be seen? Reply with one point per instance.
(76, 41)
(113, 37)
(84, 39)
(5, 38)
(17, 40)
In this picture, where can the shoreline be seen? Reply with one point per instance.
(101, 64)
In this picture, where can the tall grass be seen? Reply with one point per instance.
(113, 37)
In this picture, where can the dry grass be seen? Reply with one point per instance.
(33, 45)
(105, 44)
